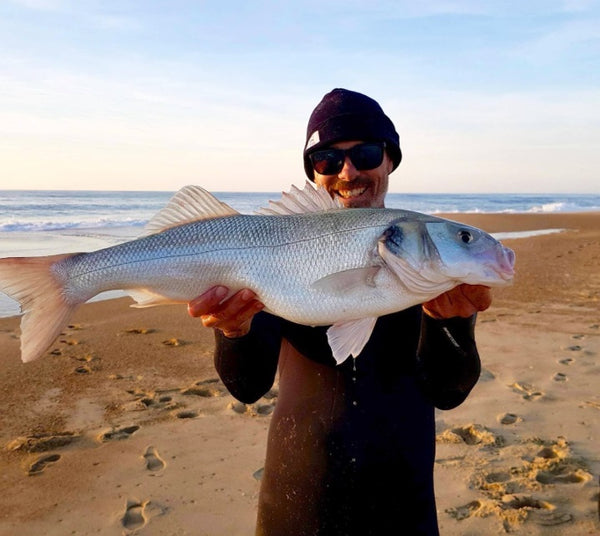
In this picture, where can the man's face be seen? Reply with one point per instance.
(357, 188)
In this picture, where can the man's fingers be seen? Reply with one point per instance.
(232, 316)
(480, 296)
(207, 302)
(236, 325)
(464, 301)
(236, 304)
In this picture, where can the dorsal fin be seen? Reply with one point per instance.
(189, 204)
(309, 199)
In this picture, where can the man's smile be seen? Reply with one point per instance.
(351, 193)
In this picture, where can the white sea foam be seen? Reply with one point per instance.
(556, 206)
(524, 234)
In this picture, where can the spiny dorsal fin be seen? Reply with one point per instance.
(189, 204)
(309, 199)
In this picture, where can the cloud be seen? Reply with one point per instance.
(576, 37)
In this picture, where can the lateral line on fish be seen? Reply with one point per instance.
(314, 237)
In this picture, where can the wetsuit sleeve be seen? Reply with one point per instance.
(247, 365)
(448, 363)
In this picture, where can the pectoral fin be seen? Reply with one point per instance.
(349, 338)
(347, 280)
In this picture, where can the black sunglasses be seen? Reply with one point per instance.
(363, 156)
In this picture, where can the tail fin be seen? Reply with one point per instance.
(31, 282)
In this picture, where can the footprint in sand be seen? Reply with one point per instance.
(554, 464)
(238, 407)
(560, 377)
(40, 463)
(512, 510)
(199, 391)
(272, 394)
(509, 418)
(261, 408)
(506, 488)
(541, 512)
(173, 342)
(264, 409)
(154, 463)
(139, 331)
(144, 400)
(563, 474)
(123, 432)
(69, 342)
(465, 511)
(88, 364)
(550, 519)
(156, 401)
(486, 375)
(42, 443)
(138, 513)
(471, 434)
(186, 414)
(590, 403)
(258, 474)
(528, 391)
(517, 502)
(566, 361)
(205, 388)
(134, 517)
(252, 409)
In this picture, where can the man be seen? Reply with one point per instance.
(351, 447)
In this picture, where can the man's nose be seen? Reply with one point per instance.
(348, 171)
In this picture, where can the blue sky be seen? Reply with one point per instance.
(487, 96)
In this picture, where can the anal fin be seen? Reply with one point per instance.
(147, 298)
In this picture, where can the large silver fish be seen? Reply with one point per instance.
(307, 259)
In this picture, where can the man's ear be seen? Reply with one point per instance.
(390, 163)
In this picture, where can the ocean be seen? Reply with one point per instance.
(45, 222)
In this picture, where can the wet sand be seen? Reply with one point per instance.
(124, 428)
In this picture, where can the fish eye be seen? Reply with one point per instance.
(465, 236)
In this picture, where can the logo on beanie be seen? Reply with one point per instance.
(313, 140)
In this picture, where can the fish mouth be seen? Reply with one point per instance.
(506, 262)
(503, 269)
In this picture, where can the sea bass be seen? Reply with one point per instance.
(308, 259)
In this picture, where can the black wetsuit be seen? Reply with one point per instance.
(351, 447)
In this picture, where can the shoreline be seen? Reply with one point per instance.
(125, 418)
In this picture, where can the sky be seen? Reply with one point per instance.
(487, 96)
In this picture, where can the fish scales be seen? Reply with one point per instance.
(279, 257)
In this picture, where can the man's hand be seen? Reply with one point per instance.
(464, 300)
(232, 316)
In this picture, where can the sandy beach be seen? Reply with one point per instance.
(124, 428)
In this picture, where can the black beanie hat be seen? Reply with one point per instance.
(344, 115)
